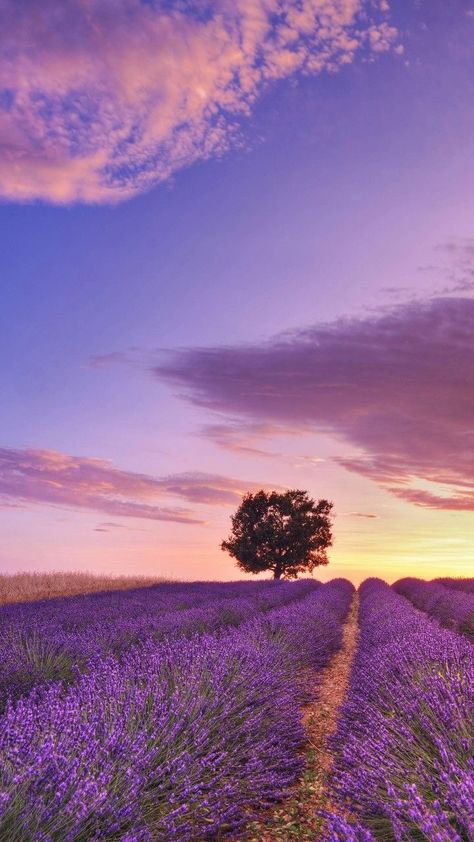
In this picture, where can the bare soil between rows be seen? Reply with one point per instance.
(297, 818)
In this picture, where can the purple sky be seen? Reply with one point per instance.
(237, 251)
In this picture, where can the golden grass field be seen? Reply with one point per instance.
(30, 586)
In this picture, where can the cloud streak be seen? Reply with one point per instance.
(53, 478)
(238, 437)
(99, 101)
(398, 386)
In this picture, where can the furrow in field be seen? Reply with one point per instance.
(298, 816)
(404, 763)
(178, 740)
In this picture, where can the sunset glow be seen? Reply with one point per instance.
(238, 253)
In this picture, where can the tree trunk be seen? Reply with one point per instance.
(277, 573)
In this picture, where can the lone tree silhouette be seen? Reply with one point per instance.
(287, 533)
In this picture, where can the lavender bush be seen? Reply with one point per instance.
(51, 640)
(178, 739)
(404, 746)
(451, 607)
(466, 585)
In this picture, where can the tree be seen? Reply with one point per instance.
(287, 533)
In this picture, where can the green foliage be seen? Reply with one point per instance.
(37, 659)
(287, 533)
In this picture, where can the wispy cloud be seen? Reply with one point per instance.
(101, 100)
(240, 437)
(110, 526)
(364, 515)
(399, 386)
(457, 267)
(53, 478)
(460, 272)
(304, 461)
(114, 358)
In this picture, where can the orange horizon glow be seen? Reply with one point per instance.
(236, 254)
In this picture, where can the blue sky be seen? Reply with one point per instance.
(342, 194)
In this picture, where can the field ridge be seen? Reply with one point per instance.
(297, 817)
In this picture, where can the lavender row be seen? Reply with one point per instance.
(177, 740)
(466, 585)
(404, 766)
(74, 612)
(63, 636)
(452, 608)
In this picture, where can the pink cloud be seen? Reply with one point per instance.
(240, 437)
(364, 515)
(459, 501)
(109, 526)
(398, 386)
(100, 100)
(53, 478)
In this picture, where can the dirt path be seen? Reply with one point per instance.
(296, 818)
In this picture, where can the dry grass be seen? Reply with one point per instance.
(28, 587)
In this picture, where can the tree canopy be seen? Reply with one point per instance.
(287, 533)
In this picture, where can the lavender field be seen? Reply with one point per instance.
(174, 712)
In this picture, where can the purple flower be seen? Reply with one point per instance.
(404, 746)
(181, 737)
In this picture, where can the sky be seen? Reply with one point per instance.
(237, 252)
